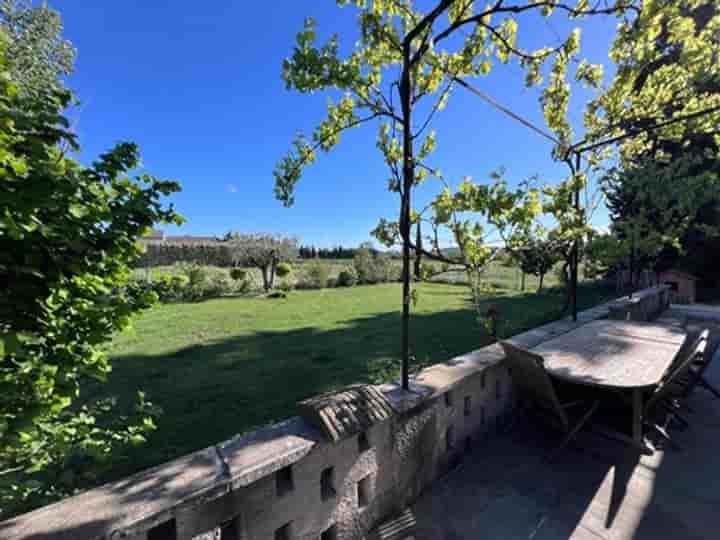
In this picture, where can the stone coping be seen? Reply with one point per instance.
(638, 296)
(121, 509)
(143, 499)
(261, 453)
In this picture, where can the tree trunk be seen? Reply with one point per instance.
(266, 282)
(522, 281)
(568, 292)
(632, 267)
(418, 256)
(407, 184)
(576, 248)
(273, 266)
(540, 285)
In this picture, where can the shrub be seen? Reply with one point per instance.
(285, 286)
(169, 287)
(427, 271)
(238, 274)
(192, 283)
(283, 270)
(332, 283)
(347, 277)
(218, 284)
(207, 253)
(315, 276)
(373, 268)
(277, 294)
(364, 265)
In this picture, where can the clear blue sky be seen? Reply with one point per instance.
(198, 87)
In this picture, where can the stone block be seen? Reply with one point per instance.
(346, 413)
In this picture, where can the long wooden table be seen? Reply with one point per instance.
(619, 355)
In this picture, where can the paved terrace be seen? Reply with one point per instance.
(598, 489)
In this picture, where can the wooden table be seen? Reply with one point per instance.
(618, 355)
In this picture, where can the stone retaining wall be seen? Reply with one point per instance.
(643, 305)
(288, 481)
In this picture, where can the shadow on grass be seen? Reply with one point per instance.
(216, 389)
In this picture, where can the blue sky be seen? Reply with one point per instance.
(198, 87)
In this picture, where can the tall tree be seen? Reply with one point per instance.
(38, 55)
(401, 73)
(663, 109)
(68, 236)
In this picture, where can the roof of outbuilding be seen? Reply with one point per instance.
(680, 273)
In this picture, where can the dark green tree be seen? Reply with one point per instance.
(537, 257)
(665, 102)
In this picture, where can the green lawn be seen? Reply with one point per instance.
(226, 366)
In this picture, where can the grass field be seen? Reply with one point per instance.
(226, 366)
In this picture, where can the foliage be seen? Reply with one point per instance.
(38, 56)
(664, 105)
(209, 254)
(195, 283)
(167, 287)
(348, 277)
(68, 235)
(604, 253)
(315, 276)
(86, 444)
(283, 269)
(238, 274)
(372, 267)
(263, 251)
(536, 257)
(413, 56)
(338, 252)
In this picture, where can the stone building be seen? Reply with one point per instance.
(683, 286)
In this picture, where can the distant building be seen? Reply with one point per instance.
(156, 237)
(682, 285)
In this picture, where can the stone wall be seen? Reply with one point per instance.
(643, 305)
(288, 481)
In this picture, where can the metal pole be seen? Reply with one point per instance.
(576, 247)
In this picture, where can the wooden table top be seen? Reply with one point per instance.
(618, 354)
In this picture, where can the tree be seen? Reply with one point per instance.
(263, 251)
(68, 236)
(401, 73)
(37, 55)
(663, 109)
(537, 257)
(605, 253)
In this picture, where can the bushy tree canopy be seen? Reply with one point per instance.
(68, 235)
(664, 107)
(37, 55)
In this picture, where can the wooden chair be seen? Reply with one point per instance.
(698, 366)
(536, 389)
(687, 349)
(663, 403)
